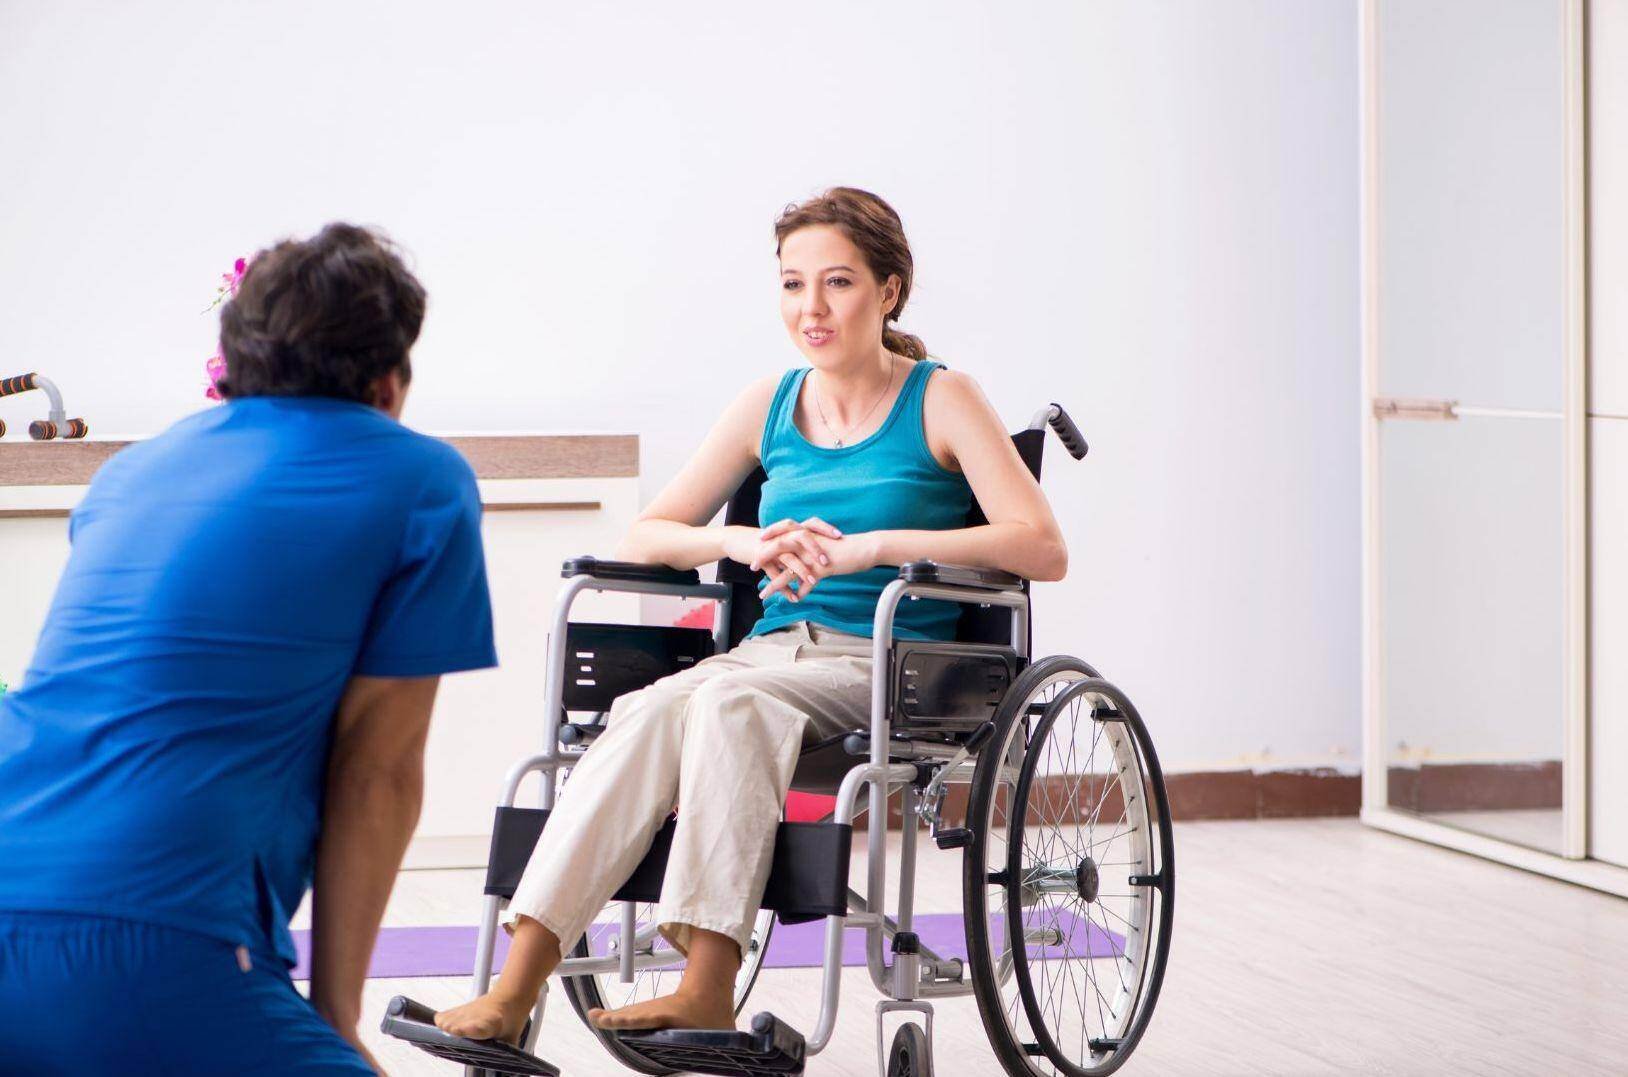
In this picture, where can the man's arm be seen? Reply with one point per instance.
(375, 787)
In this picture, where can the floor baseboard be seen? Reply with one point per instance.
(1300, 793)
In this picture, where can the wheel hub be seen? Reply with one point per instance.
(1087, 879)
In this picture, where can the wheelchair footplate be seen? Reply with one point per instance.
(415, 1022)
(771, 1048)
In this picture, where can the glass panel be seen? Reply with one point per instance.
(1472, 601)
(1471, 224)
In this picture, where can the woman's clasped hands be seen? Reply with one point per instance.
(796, 556)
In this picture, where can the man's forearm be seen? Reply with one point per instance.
(368, 817)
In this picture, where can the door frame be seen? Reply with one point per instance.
(1572, 863)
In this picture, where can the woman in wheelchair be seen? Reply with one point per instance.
(873, 453)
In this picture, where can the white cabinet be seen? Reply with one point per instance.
(33, 549)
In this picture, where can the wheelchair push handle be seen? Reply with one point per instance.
(1067, 432)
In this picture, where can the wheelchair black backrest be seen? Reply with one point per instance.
(978, 624)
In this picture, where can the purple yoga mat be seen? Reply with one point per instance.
(450, 951)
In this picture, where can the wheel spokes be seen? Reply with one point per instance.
(1081, 833)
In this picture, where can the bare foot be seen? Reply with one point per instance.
(679, 1010)
(490, 1017)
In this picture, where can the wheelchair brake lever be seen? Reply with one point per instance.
(931, 804)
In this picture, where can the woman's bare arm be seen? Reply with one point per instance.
(1022, 535)
(672, 530)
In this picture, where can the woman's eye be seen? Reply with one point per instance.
(838, 282)
(791, 285)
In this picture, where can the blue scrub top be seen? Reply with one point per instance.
(163, 760)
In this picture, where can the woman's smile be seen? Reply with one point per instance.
(818, 335)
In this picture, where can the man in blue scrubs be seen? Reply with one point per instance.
(229, 700)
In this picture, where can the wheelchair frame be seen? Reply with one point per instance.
(948, 744)
(915, 975)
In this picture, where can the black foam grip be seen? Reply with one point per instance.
(42, 430)
(1069, 434)
(19, 384)
(75, 428)
(628, 570)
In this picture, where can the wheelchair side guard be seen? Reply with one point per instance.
(948, 687)
(770, 1049)
(808, 875)
(414, 1023)
(604, 661)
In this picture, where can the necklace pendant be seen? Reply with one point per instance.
(839, 443)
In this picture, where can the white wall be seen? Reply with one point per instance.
(1146, 212)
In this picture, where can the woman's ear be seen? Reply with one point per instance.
(890, 294)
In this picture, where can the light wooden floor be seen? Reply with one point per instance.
(1301, 947)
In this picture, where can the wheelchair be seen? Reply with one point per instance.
(1040, 771)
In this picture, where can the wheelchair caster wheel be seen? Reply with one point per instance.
(911, 1054)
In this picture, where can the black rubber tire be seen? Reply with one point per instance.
(1015, 1060)
(583, 994)
(911, 1054)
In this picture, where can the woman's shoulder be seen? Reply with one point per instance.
(953, 404)
(754, 401)
(746, 416)
(952, 390)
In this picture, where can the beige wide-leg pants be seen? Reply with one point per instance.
(717, 741)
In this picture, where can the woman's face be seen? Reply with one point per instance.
(832, 304)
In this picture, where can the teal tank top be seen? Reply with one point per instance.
(887, 482)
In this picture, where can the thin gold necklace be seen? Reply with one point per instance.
(843, 437)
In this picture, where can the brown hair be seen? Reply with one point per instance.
(871, 225)
(325, 316)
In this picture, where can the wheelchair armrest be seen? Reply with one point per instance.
(628, 570)
(984, 579)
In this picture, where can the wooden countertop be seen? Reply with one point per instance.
(506, 456)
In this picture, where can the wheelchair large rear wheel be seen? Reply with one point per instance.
(1069, 879)
(607, 991)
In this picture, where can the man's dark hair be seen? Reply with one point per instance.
(326, 316)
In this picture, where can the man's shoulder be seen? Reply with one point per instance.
(436, 460)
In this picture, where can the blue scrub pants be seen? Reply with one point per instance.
(85, 994)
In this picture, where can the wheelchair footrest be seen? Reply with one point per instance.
(771, 1048)
(415, 1022)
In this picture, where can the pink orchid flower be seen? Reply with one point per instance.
(215, 367)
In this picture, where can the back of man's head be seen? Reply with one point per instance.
(326, 316)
